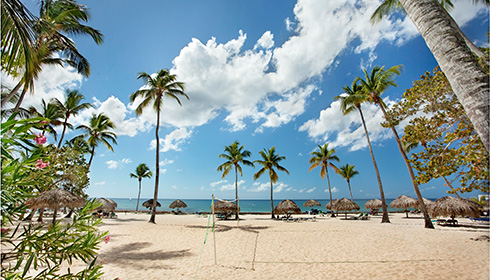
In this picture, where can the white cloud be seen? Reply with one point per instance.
(311, 190)
(279, 187)
(126, 160)
(231, 186)
(99, 183)
(334, 190)
(174, 187)
(259, 187)
(163, 170)
(289, 24)
(112, 164)
(214, 184)
(266, 41)
(166, 162)
(173, 140)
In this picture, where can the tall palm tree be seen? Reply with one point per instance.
(98, 131)
(71, 107)
(50, 112)
(269, 161)
(58, 19)
(234, 156)
(162, 85)
(324, 158)
(347, 172)
(350, 101)
(374, 84)
(468, 79)
(142, 171)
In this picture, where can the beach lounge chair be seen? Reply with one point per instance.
(365, 217)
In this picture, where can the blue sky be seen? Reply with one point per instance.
(261, 72)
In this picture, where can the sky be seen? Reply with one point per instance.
(264, 73)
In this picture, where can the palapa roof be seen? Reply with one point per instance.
(149, 203)
(345, 204)
(107, 204)
(224, 206)
(55, 199)
(178, 204)
(287, 206)
(311, 203)
(427, 202)
(404, 202)
(373, 204)
(329, 205)
(453, 206)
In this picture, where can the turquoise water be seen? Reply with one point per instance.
(246, 205)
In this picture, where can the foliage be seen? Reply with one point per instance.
(450, 145)
(31, 251)
(269, 161)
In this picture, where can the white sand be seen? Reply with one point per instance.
(261, 248)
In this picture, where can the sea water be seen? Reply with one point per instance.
(246, 205)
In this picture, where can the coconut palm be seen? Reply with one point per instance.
(468, 79)
(347, 172)
(162, 85)
(142, 171)
(374, 84)
(269, 161)
(98, 131)
(50, 112)
(71, 107)
(58, 19)
(350, 101)
(324, 158)
(234, 156)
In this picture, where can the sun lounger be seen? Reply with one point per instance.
(480, 219)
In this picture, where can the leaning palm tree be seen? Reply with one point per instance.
(351, 100)
(374, 84)
(269, 161)
(234, 156)
(71, 107)
(162, 85)
(347, 172)
(142, 171)
(98, 131)
(324, 157)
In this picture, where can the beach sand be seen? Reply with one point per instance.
(261, 248)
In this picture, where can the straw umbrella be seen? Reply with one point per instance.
(107, 204)
(345, 204)
(373, 204)
(329, 205)
(226, 207)
(404, 202)
(311, 203)
(55, 199)
(287, 207)
(427, 202)
(149, 203)
(178, 204)
(453, 206)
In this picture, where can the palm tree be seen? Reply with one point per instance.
(467, 78)
(269, 161)
(71, 107)
(324, 157)
(98, 131)
(50, 112)
(142, 171)
(58, 19)
(347, 172)
(350, 101)
(162, 85)
(234, 156)
(374, 84)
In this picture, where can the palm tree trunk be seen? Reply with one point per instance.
(157, 175)
(139, 192)
(428, 222)
(469, 81)
(21, 98)
(330, 193)
(385, 218)
(91, 157)
(63, 133)
(272, 201)
(41, 214)
(348, 184)
(236, 194)
(11, 94)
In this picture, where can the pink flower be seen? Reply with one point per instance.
(40, 164)
(4, 230)
(40, 139)
(107, 238)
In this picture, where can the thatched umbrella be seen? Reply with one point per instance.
(107, 204)
(404, 202)
(178, 204)
(149, 203)
(224, 206)
(427, 202)
(55, 199)
(345, 204)
(453, 206)
(287, 207)
(373, 204)
(311, 203)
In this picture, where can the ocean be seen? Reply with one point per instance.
(246, 205)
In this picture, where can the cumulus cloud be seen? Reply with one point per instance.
(113, 164)
(166, 162)
(259, 187)
(229, 187)
(266, 41)
(173, 140)
(214, 184)
(311, 190)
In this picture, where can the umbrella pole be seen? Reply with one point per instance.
(214, 235)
